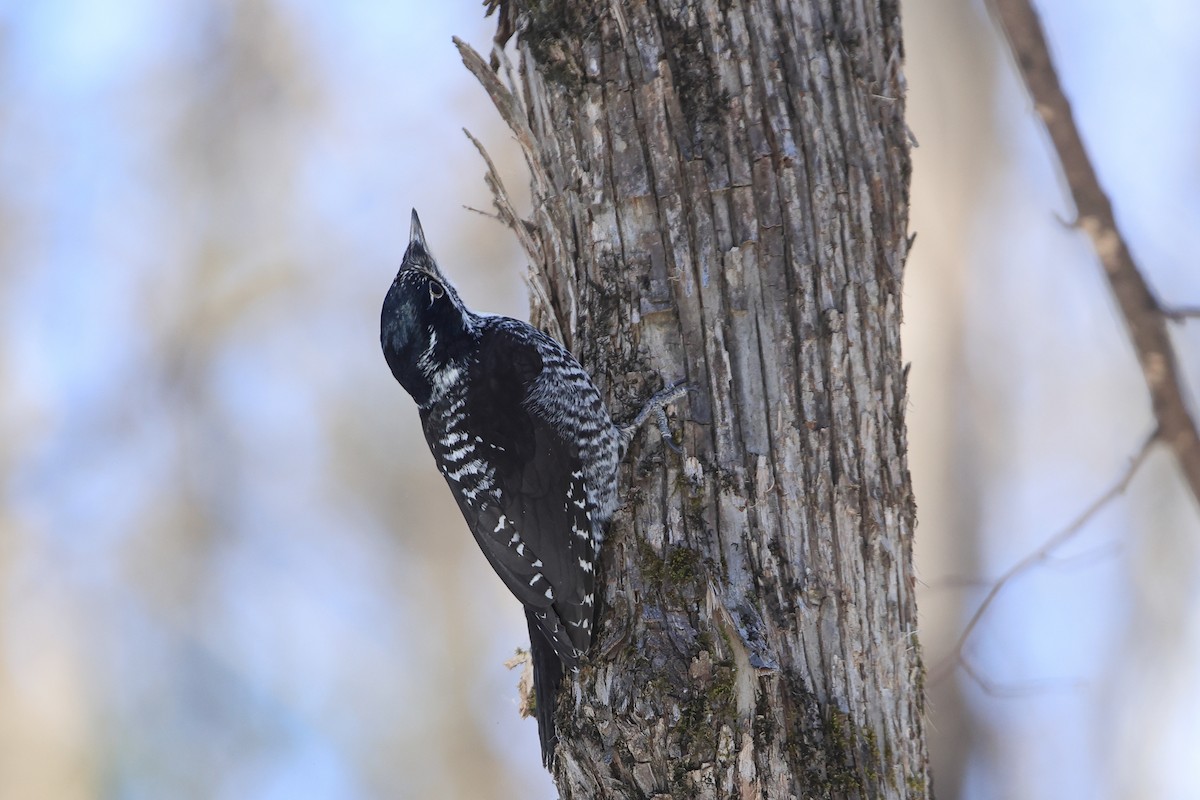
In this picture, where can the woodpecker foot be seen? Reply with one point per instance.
(657, 405)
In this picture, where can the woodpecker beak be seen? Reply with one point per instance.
(417, 256)
(415, 234)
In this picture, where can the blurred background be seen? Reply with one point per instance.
(227, 567)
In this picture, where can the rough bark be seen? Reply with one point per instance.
(721, 194)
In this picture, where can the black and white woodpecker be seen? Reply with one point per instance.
(527, 447)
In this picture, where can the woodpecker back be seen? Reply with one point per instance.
(526, 445)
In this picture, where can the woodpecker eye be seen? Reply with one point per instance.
(436, 290)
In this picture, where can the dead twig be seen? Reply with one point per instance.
(1085, 559)
(533, 235)
(1144, 318)
(1025, 689)
(955, 658)
(1181, 313)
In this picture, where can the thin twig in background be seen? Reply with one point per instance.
(955, 657)
(1145, 318)
(1181, 313)
(1024, 689)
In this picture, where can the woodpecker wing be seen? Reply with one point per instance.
(520, 485)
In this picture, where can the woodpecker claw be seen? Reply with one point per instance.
(657, 405)
(665, 429)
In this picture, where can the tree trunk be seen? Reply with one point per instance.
(721, 193)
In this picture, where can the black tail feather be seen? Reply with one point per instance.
(547, 676)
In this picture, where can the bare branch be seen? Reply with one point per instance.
(1144, 319)
(533, 235)
(511, 109)
(958, 583)
(1084, 559)
(508, 215)
(1181, 313)
(1024, 689)
(954, 658)
(487, 214)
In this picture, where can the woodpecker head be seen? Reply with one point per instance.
(424, 326)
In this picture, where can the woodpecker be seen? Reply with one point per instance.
(523, 439)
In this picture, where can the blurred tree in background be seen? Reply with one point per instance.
(226, 576)
(227, 568)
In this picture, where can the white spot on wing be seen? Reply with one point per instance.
(473, 467)
(458, 453)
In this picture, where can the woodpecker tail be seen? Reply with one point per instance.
(547, 675)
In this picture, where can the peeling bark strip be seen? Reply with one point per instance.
(721, 194)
